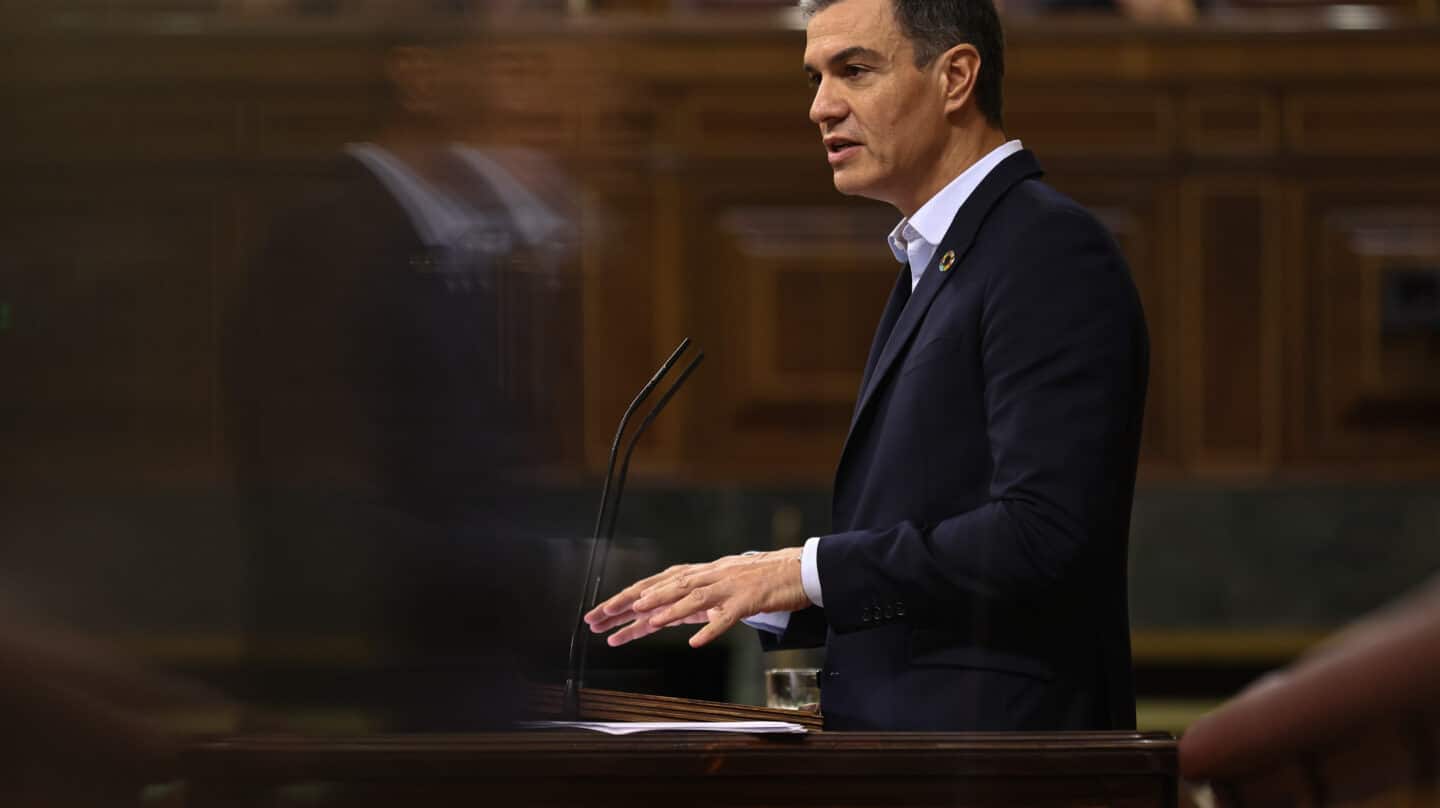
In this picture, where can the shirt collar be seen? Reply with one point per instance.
(930, 222)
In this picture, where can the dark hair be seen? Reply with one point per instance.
(935, 26)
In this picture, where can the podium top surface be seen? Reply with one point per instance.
(580, 753)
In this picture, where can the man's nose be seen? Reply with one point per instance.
(827, 107)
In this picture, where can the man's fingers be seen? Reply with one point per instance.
(640, 628)
(677, 587)
(607, 622)
(614, 605)
(718, 594)
(624, 600)
(696, 602)
(721, 620)
(660, 589)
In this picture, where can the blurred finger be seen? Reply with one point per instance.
(721, 620)
(607, 622)
(695, 602)
(636, 630)
(627, 598)
(689, 619)
(624, 599)
(679, 586)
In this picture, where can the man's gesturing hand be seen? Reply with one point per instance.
(719, 594)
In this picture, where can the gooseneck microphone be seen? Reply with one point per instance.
(605, 520)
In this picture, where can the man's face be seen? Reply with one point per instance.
(881, 118)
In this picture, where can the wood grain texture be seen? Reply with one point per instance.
(574, 768)
(1232, 159)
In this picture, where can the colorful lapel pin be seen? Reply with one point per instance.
(947, 260)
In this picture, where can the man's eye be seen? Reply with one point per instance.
(852, 71)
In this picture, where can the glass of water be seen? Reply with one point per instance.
(793, 688)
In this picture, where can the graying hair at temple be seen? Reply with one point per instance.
(934, 27)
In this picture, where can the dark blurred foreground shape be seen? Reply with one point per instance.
(84, 724)
(1354, 723)
(401, 370)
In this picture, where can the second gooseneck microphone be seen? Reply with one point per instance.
(606, 518)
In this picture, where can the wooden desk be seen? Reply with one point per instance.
(575, 768)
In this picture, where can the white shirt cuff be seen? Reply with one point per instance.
(810, 571)
(773, 622)
(777, 622)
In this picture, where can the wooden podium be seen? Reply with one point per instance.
(576, 767)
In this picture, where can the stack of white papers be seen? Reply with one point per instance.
(632, 727)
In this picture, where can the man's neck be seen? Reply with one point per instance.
(965, 150)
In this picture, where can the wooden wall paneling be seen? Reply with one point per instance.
(1183, 141)
(1296, 321)
(1238, 121)
(147, 53)
(110, 353)
(120, 122)
(313, 123)
(1372, 391)
(1229, 327)
(623, 239)
(808, 287)
(673, 254)
(622, 123)
(764, 123)
(237, 225)
(1396, 120)
(1063, 121)
(624, 152)
(788, 283)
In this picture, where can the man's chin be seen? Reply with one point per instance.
(848, 184)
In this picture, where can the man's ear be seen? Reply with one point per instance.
(959, 70)
(413, 71)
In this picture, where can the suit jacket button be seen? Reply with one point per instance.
(889, 613)
(899, 610)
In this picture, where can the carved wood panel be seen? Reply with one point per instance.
(1230, 332)
(1272, 341)
(1364, 121)
(109, 345)
(100, 123)
(1092, 121)
(1372, 379)
(785, 284)
(1240, 121)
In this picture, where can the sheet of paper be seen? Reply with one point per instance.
(632, 727)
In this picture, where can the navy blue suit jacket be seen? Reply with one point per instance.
(976, 576)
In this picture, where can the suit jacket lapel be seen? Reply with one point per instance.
(898, 297)
(1010, 172)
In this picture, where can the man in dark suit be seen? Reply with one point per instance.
(975, 578)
